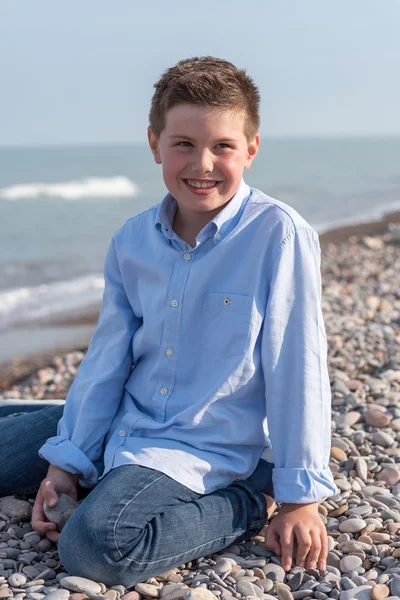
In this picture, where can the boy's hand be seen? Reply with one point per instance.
(300, 526)
(57, 481)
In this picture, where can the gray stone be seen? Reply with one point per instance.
(246, 588)
(395, 586)
(351, 562)
(284, 594)
(199, 594)
(18, 509)
(296, 581)
(359, 593)
(17, 579)
(80, 584)
(58, 595)
(300, 594)
(250, 563)
(223, 565)
(277, 570)
(60, 513)
(352, 525)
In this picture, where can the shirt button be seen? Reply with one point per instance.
(227, 301)
(217, 236)
(122, 433)
(169, 352)
(174, 303)
(187, 256)
(164, 391)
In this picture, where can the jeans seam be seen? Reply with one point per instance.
(124, 508)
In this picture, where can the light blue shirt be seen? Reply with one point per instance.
(205, 358)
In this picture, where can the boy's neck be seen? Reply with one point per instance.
(188, 226)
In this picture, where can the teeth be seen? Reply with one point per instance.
(198, 184)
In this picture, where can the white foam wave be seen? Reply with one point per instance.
(21, 305)
(92, 187)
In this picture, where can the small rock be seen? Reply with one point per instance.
(376, 418)
(199, 594)
(58, 595)
(16, 509)
(390, 475)
(352, 525)
(351, 562)
(17, 579)
(148, 590)
(362, 592)
(246, 588)
(284, 594)
(80, 584)
(379, 592)
(277, 570)
(380, 438)
(60, 513)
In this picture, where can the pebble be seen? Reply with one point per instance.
(80, 584)
(379, 592)
(61, 512)
(350, 563)
(150, 591)
(362, 592)
(275, 572)
(352, 525)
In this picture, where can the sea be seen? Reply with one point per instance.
(60, 206)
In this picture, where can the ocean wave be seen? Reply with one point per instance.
(91, 187)
(24, 304)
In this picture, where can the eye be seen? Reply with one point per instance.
(183, 144)
(224, 145)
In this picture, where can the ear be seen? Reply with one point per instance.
(153, 143)
(252, 150)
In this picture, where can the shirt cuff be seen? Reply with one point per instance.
(301, 486)
(63, 453)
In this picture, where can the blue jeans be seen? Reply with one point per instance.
(137, 522)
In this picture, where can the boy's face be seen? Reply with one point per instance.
(202, 145)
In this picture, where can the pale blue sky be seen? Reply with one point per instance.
(82, 71)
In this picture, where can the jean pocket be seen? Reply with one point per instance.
(225, 323)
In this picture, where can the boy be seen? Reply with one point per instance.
(209, 357)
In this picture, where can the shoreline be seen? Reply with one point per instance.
(79, 328)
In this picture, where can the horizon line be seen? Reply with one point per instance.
(106, 144)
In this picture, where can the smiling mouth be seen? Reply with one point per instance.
(202, 184)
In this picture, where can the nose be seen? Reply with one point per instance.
(203, 161)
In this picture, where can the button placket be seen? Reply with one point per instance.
(171, 332)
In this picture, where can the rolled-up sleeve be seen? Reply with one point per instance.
(294, 362)
(96, 392)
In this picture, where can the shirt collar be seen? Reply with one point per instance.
(219, 227)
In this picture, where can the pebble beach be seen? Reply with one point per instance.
(361, 306)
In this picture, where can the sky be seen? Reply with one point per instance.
(82, 72)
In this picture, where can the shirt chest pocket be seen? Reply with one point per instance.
(225, 323)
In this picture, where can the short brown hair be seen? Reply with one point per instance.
(206, 81)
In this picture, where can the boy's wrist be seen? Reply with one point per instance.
(75, 476)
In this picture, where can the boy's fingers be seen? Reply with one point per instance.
(53, 536)
(287, 549)
(324, 550)
(272, 540)
(49, 493)
(39, 519)
(303, 548)
(315, 550)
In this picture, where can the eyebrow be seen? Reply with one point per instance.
(187, 137)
